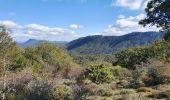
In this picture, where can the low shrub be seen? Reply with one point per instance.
(61, 92)
(94, 89)
(145, 89)
(159, 73)
(161, 95)
(120, 72)
(99, 74)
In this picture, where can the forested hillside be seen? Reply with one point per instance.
(109, 44)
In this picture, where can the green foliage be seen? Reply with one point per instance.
(17, 59)
(131, 57)
(61, 92)
(157, 14)
(99, 74)
(93, 58)
(32, 56)
(135, 56)
(167, 36)
(6, 42)
(54, 55)
(159, 50)
(120, 72)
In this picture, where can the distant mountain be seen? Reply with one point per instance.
(108, 44)
(34, 42)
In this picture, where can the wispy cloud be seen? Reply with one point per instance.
(131, 4)
(126, 25)
(76, 26)
(41, 32)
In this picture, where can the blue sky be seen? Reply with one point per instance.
(65, 20)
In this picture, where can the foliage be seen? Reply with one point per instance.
(158, 13)
(131, 57)
(61, 92)
(120, 72)
(99, 74)
(167, 36)
(6, 41)
(159, 75)
(17, 59)
(93, 58)
(32, 56)
(54, 55)
(94, 89)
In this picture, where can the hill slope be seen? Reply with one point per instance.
(108, 44)
(34, 42)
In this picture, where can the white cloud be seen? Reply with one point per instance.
(40, 32)
(145, 4)
(76, 26)
(9, 24)
(131, 4)
(125, 25)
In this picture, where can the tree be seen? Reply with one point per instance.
(6, 44)
(158, 13)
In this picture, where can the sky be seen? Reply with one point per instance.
(66, 20)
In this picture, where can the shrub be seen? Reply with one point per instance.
(130, 57)
(99, 74)
(137, 55)
(158, 75)
(120, 72)
(95, 89)
(145, 89)
(54, 55)
(161, 95)
(61, 92)
(17, 59)
(158, 72)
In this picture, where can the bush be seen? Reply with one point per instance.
(54, 55)
(99, 74)
(17, 59)
(61, 92)
(131, 57)
(94, 89)
(137, 55)
(159, 75)
(145, 89)
(120, 72)
(161, 95)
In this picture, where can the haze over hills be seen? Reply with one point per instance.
(108, 44)
(99, 44)
(34, 42)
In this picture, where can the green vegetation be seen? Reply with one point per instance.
(99, 74)
(48, 72)
(111, 44)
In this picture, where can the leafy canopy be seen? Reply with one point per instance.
(158, 13)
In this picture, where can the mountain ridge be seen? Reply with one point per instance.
(99, 44)
(35, 42)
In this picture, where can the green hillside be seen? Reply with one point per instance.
(109, 44)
